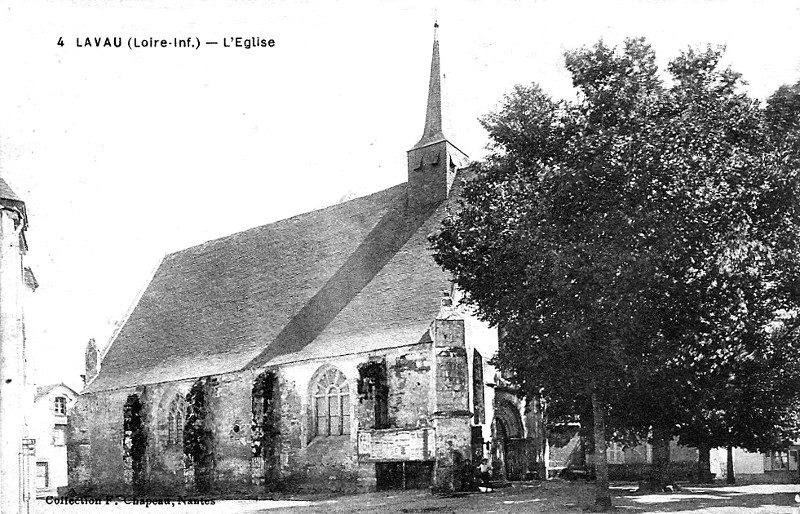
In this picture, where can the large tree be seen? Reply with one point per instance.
(730, 268)
(746, 372)
(623, 235)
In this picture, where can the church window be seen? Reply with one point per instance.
(331, 404)
(373, 388)
(478, 402)
(179, 428)
(60, 406)
(170, 427)
(175, 420)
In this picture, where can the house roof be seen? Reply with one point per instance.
(44, 390)
(9, 198)
(353, 277)
(6, 193)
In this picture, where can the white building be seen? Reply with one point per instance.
(15, 391)
(775, 466)
(48, 424)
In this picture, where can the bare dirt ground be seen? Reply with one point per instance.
(548, 497)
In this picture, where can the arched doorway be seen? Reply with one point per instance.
(510, 448)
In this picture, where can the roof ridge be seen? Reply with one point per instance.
(282, 220)
(43, 390)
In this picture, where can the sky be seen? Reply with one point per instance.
(124, 155)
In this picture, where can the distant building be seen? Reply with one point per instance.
(324, 351)
(568, 456)
(48, 423)
(776, 466)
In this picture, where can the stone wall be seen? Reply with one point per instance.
(453, 467)
(428, 384)
(330, 463)
(163, 462)
(94, 443)
(452, 398)
(230, 404)
(409, 375)
(303, 461)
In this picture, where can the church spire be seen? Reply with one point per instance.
(433, 161)
(433, 115)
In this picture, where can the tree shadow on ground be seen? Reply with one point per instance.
(562, 497)
(754, 498)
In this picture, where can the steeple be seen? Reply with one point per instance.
(433, 115)
(433, 161)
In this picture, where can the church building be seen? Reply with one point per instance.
(326, 351)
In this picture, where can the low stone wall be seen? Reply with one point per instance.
(681, 471)
(769, 477)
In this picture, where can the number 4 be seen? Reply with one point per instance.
(60, 41)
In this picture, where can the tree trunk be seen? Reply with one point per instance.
(704, 464)
(660, 476)
(731, 479)
(602, 500)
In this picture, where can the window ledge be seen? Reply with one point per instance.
(318, 439)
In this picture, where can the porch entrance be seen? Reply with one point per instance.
(510, 446)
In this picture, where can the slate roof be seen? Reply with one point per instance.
(353, 277)
(43, 390)
(10, 199)
(6, 193)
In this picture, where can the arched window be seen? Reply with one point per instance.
(373, 387)
(175, 416)
(179, 428)
(478, 405)
(170, 427)
(331, 399)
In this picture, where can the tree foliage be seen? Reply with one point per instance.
(639, 245)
